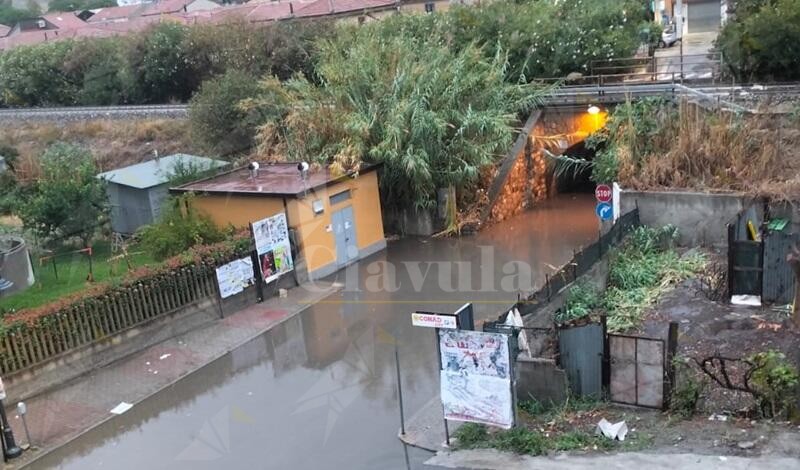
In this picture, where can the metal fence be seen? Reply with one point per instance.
(581, 262)
(26, 344)
(759, 267)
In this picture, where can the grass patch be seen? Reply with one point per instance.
(73, 271)
(645, 266)
(544, 428)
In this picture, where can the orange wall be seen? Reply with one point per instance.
(317, 245)
(237, 210)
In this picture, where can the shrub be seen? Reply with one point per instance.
(776, 380)
(217, 119)
(179, 228)
(760, 43)
(582, 299)
(67, 200)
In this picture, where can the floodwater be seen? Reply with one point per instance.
(319, 391)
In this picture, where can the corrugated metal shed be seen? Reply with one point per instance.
(157, 171)
(137, 192)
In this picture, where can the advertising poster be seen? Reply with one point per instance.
(476, 377)
(273, 247)
(235, 276)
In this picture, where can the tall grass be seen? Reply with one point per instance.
(643, 268)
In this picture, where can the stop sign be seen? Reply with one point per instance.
(603, 193)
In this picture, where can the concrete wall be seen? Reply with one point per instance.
(75, 363)
(700, 217)
(412, 222)
(540, 379)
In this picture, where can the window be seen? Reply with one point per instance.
(340, 197)
(429, 7)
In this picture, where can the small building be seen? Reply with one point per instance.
(334, 220)
(136, 193)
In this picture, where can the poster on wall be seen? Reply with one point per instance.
(272, 245)
(476, 377)
(235, 277)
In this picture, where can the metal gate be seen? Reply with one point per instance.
(778, 282)
(581, 356)
(637, 370)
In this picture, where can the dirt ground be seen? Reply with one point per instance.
(655, 431)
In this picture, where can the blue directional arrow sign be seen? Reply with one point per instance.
(604, 211)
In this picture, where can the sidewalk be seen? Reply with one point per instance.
(492, 459)
(56, 417)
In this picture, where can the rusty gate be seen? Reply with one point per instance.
(581, 357)
(637, 370)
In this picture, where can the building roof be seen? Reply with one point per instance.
(157, 171)
(273, 180)
(334, 7)
(114, 13)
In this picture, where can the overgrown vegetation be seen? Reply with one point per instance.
(642, 268)
(760, 41)
(776, 381)
(545, 428)
(179, 228)
(217, 119)
(767, 377)
(166, 62)
(431, 116)
(582, 299)
(67, 200)
(653, 143)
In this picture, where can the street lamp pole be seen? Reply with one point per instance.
(10, 449)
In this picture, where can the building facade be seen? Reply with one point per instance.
(334, 220)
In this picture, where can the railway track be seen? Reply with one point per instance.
(94, 112)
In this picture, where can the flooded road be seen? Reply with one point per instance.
(319, 391)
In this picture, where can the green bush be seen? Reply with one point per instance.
(67, 200)
(760, 42)
(179, 228)
(218, 121)
(582, 299)
(776, 380)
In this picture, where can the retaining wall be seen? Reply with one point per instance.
(701, 217)
(540, 379)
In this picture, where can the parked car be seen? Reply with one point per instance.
(669, 36)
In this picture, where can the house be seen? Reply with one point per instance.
(136, 193)
(335, 219)
(4, 30)
(694, 16)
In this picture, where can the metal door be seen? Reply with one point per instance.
(704, 16)
(637, 370)
(345, 230)
(581, 357)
